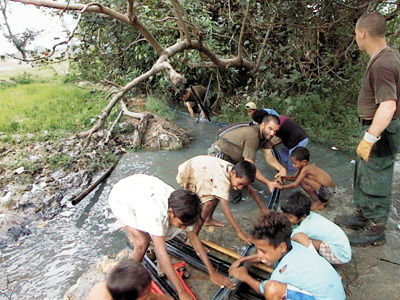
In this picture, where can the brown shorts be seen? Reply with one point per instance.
(325, 193)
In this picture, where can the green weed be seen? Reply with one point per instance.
(158, 106)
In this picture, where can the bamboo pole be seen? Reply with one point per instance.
(234, 255)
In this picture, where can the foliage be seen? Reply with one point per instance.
(158, 105)
(309, 67)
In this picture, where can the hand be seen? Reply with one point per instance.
(244, 237)
(364, 149)
(279, 179)
(271, 185)
(265, 210)
(237, 263)
(282, 172)
(239, 273)
(183, 295)
(222, 281)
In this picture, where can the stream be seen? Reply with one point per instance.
(45, 264)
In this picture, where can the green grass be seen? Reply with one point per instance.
(35, 107)
(158, 106)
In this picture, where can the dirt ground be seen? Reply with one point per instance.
(373, 272)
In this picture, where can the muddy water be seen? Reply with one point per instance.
(45, 264)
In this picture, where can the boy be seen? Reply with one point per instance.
(150, 210)
(211, 179)
(128, 280)
(326, 237)
(315, 181)
(299, 273)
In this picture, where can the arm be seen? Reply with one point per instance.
(166, 265)
(257, 199)
(242, 274)
(228, 214)
(298, 179)
(273, 162)
(190, 109)
(261, 178)
(382, 118)
(215, 277)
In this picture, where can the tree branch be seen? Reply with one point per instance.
(97, 8)
(239, 53)
(181, 24)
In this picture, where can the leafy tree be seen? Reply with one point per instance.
(298, 55)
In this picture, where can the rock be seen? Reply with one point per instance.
(98, 272)
(20, 170)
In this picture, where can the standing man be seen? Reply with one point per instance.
(380, 134)
(241, 141)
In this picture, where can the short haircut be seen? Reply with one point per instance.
(258, 115)
(275, 227)
(374, 23)
(297, 204)
(185, 205)
(128, 280)
(301, 153)
(268, 118)
(182, 93)
(246, 169)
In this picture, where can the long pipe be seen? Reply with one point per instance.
(234, 255)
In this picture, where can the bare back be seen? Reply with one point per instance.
(316, 174)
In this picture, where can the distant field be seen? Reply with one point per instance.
(13, 67)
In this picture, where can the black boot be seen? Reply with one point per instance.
(354, 221)
(372, 235)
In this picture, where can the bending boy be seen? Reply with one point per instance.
(211, 179)
(326, 237)
(315, 181)
(150, 210)
(299, 273)
(128, 280)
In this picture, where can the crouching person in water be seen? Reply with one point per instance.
(150, 210)
(299, 273)
(128, 280)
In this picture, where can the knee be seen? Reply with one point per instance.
(274, 290)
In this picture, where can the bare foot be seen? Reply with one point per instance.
(213, 222)
(317, 205)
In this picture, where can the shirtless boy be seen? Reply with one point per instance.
(315, 181)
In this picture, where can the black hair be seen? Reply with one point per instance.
(182, 93)
(297, 204)
(374, 23)
(185, 205)
(128, 280)
(246, 169)
(275, 227)
(268, 118)
(258, 115)
(301, 153)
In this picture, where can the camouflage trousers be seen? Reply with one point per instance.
(373, 179)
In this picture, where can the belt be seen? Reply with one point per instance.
(365, 121)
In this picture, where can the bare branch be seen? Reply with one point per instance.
(239, 54)
(131, 15)
(97, 8)
(181, 24)
(261, 54)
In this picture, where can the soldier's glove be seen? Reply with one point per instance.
(365, 146)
